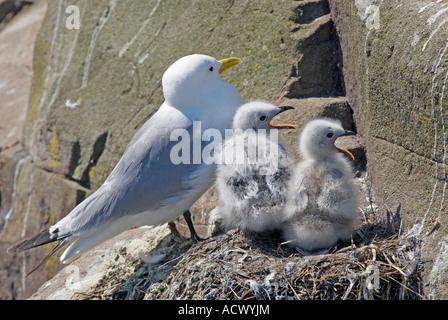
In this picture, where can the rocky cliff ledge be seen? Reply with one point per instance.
(379, 66)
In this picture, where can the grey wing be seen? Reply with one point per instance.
(301, 196)
(235, 185)
(299, 189)
(144, 179)
(333, 174)
(298, 197)
(243, 187)
(333, 192)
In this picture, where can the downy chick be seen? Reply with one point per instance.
(252, 180)
(322, 200)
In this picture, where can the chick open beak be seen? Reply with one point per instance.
(347, 133)
(283, 126)
(228, 63)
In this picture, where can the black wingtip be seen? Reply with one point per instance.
(61, 245)
(39, 239)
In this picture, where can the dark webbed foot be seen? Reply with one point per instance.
(193, 235)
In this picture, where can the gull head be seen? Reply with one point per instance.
(193, 78)
(258, 115)
(316, 141)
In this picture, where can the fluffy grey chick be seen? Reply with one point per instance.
(322, 198)
(252, 178)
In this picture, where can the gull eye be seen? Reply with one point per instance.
(211, 69)
(330, 135)
(262, 118)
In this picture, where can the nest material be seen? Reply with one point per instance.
(379, 263)
(239, 266)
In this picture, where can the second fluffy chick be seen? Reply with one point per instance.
(322, 200)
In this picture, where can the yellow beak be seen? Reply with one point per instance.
(228, 63)
(347, 152)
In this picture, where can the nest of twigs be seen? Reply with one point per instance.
(379, 263)
(242, 266)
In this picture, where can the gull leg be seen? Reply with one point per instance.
(194, 235)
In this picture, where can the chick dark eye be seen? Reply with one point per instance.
(330, 135)
(211, 69)
(262, 118)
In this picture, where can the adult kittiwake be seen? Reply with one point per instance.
(146, 187)
(322, 205)
(252, 178)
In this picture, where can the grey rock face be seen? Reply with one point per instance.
(395, 57)
(379, 67)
